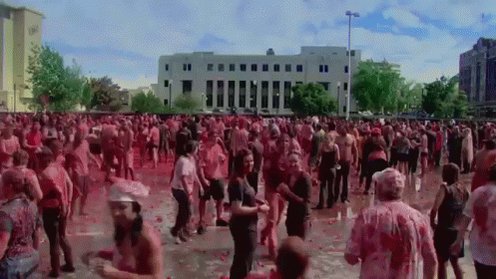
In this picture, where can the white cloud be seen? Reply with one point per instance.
(403, 17)
(153, 28)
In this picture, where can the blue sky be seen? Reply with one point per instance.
(124, 39)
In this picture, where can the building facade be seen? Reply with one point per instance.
(20, 30)
(477, 75)
(254, 83)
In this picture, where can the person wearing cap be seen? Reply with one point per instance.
(57, 189)
(391, 239)
(481, 208)
(138, 251)
(19, 228)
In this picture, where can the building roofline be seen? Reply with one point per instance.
(22, 8)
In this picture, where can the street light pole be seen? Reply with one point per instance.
(339, 97)
(15, 97)
(348, 93)
(170, 94)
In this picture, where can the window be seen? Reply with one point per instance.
(166, 102)
(346, 69)
(287, 94)
(210, 67)
(242, 94)
(352, 53)
(210, 85)
(253, 67)
(166, 83)
(253, 94)
(287, 67)
(276, 91)
(299, 68)
(166, 67)
(323, 68)
(220, 93)
(230, 92)
(232, 67)
(345, 86)
(326, 68)
(220, 67)
(187, 67)
(265, 94)
(187, 86)
(276, 68)
(299, 82)
(325, 85)
(265, 67)
(242, 67)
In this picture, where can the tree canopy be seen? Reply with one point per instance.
(379, 87)
(442, 98)
(186, 103)
(147, 102)
(312, 99)
(53, 85)
(106, 95)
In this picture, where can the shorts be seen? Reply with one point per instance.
(443, 239)
(215, 191)
(403, 157)
(82, 183)
(129, 158)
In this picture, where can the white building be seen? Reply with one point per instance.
(254, 82)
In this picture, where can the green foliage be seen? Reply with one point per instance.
(86, 95)
(378, 87)
(148, 102)
(410, 97)
(312, 99)
(106, 95)
(186, 103)
(50, 80)
(443, 99)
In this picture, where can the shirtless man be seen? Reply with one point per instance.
(348, 157)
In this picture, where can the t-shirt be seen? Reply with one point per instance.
(298, 212)
(481, 206)
(185, 166)
(80, 158)
(240, 190)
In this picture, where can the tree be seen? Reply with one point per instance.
(377, 87)
(106, 95)
(148, 102)
(410, 97)
(86, 95)
(186, 103)
(443, 99)
(312, 99)
(52, 84)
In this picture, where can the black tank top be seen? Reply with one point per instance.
(328, 160)
(452, 207)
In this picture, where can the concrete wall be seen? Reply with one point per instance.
(310, 58)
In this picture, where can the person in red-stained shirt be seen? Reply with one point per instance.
(391, 239)
(154, 142)
(8, 145)
(211, 160)
(32, 144)
(57, 189)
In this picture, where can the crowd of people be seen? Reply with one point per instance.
(45, 162)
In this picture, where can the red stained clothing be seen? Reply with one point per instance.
(53, 182)
(155, 136)
(7, 148)
(212, 158)
(81, 159)
(391, 239)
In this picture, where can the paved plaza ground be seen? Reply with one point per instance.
(210, 255)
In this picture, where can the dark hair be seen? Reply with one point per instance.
(190, 146)
(20, 157)
(239, 162)
(292, 258)
(136, 228)
(451, 173)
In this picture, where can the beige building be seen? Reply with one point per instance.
(20, 30)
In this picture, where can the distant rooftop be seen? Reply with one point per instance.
(304, 50)
(4, 5)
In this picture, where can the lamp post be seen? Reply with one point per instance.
(170, 94)
(349, 14)
(339, 98)
(202, 101)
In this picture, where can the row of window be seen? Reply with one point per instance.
(254, 68)
(275, 84)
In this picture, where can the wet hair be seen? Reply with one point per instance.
(451, 173)
(16, 180)
(239, 162)
(136, 228)
(190, 146)
(292, 258)
(20, 158)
